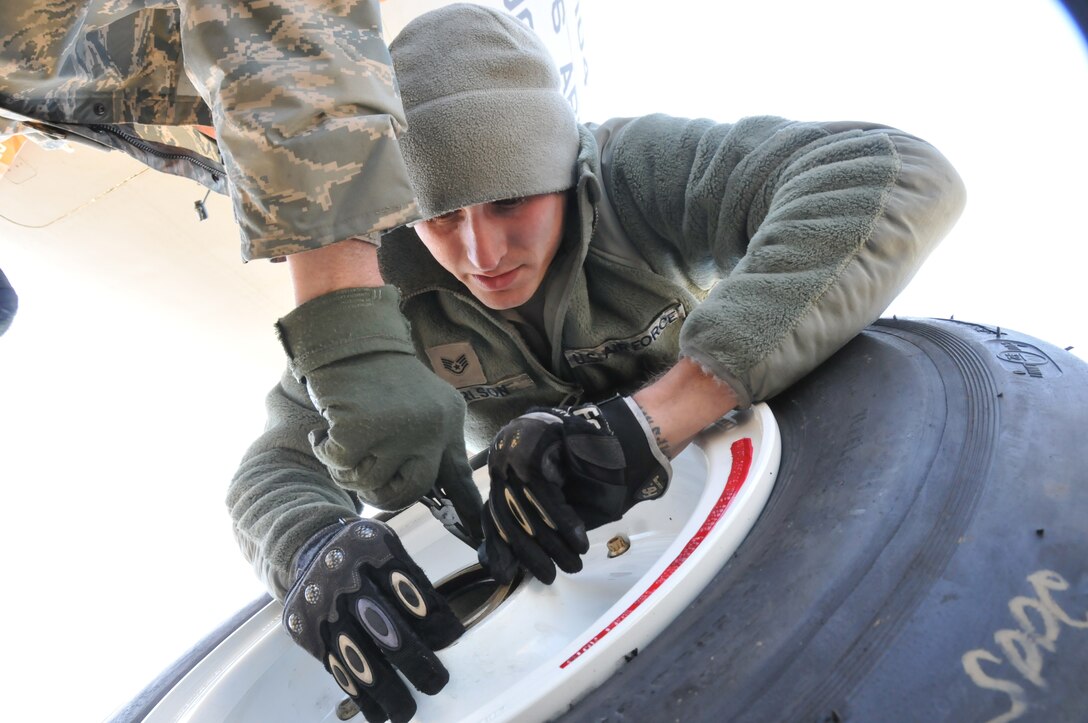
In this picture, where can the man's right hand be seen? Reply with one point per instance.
(361, 606)
(394, 429)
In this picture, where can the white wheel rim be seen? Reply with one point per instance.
(545, 646)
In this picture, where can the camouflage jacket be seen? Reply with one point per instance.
(301, 96)
(757, 249)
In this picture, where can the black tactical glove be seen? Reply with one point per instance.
(556, 473)
(395, 430)
(360, 605)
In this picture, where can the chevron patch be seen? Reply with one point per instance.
(457, 364)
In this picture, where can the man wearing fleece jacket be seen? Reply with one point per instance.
(598, 294)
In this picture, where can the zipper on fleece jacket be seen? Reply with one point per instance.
(554, 331)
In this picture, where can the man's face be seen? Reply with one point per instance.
(499, 250)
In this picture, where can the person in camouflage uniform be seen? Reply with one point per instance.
(301, 97)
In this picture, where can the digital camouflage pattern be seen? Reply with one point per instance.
(300, 92)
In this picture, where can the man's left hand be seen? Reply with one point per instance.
(556, 473)
(365, 610)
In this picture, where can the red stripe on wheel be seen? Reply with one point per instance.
(742, 462)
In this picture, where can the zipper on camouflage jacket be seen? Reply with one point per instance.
(146, 147)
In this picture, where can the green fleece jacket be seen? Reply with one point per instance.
(756, 249)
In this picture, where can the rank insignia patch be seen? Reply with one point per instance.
(457, 364)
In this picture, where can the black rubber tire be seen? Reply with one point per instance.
(928, 470)
(145, 701)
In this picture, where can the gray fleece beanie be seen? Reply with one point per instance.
(486, 119)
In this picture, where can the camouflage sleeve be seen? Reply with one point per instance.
(301, 92)
(94, 62)
(306, 112)
(107, 74)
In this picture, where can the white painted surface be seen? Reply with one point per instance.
(527, 660)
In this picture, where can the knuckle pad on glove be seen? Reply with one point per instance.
(365, 675)
(521, 541)
(495, 554)
(362, 604)
(576, 469)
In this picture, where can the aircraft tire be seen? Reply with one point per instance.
(924, 554)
